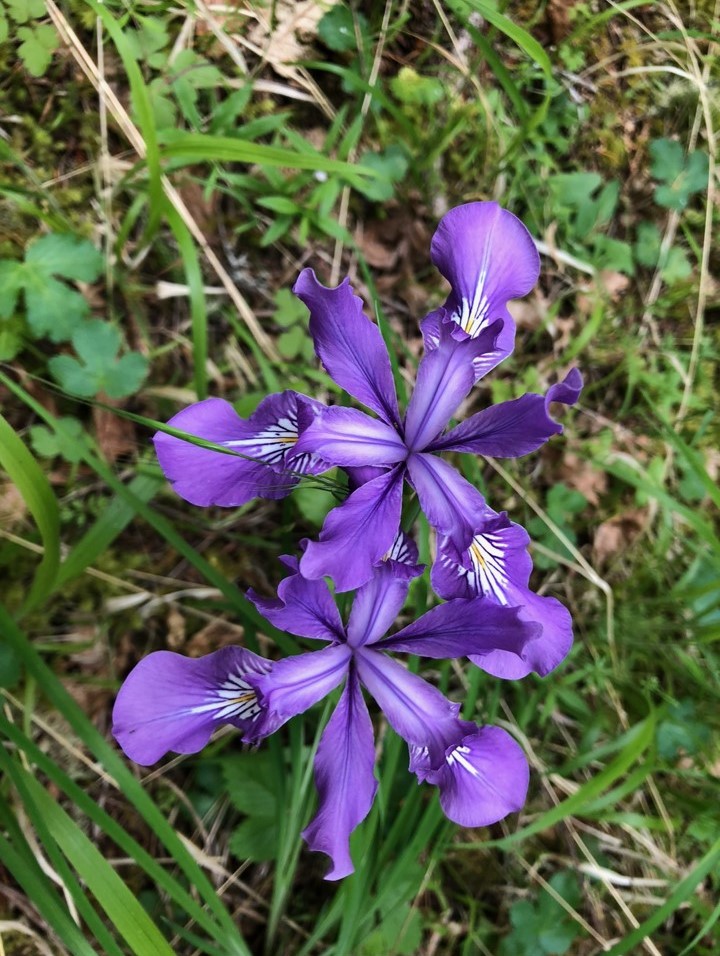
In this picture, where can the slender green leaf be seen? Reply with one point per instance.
(32, 484)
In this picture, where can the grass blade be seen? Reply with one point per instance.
(32, 484)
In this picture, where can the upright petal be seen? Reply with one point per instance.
(294, 684)
(349, 345)
(357, 534)
(488, 257)
(439, 325)
(497, 565)
(206, 477)
(377, 603)
(514, 428)
(483, 778)
(303, 607)
(445, 376)
(173, 703)
(414, 708)
(463, 628)
(347, 436)
(344, 778)
(452, 505)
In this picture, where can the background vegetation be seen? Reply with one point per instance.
(167, 170)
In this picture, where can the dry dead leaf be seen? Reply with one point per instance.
(285, 41)
(617, 533)
(583, 477)
(12, 505)
(115, 435)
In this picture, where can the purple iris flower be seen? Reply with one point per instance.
(169, 702)
(488, 256)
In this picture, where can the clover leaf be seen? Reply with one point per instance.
(98, 368)
(67, 441)
(681, 176)
(543, 928)
(52, 307)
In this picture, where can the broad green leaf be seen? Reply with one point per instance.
(99, 369)
(65, 255)
(36, 50)
(391, 166)
(11, 281)
(667, 159)
(67, 440)
(23, 10)
(336, 29)
(53, 308)
(11, 337)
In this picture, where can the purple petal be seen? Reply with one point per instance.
(356, 535)
(542, 655)
(439, 326)
(344, 779)
(377, 604)
(303, 607)
(349, 345)
(497, 565)
(404, 554)
(463, 628)
(414, 708)
(452, 505)
(483, 778)
(488, 257)
(346, 436)
(497, 555)
(361, 476)
(170, 702)
(205, 477)
(294, 684)
(445, 376)
(512, 428)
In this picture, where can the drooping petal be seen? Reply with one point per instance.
(462, 628)
(346, 436)
(303, 607)
(206, 477)
(344, 779)
(377, 603)
(415, 709)
(488, 257)
(349, 345)
(173, 703)
(542, 655)
(498, 566)
(357, 534)
(445, 376)
(515, 428)
(294, 684)
(483, 778)
(496, 556)
(452, 505)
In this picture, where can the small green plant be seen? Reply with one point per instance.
(680, 175)
(99, 368)
(38, 40)
(543, 928)
(66, 441)
(53, 308)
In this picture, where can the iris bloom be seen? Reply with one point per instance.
(169, 702)
(489, 257)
